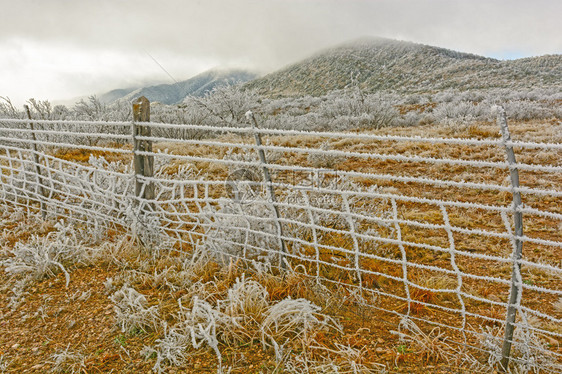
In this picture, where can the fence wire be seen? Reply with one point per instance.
(419, 228)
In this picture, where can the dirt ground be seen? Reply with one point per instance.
(50, 318)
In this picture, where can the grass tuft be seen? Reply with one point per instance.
(132, 311)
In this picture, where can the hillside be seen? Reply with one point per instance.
(177, 92)
(384, 64)
(116, 94)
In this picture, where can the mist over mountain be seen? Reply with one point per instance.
(116, 94)
(175, 93)
(372, 64)
(376, 64)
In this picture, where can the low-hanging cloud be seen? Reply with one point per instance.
(64, 48)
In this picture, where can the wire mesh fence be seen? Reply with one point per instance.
(420, 229)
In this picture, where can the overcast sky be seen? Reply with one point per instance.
(60, 49)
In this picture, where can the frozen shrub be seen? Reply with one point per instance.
(409, 119)
(246, 299)
(460, 112)
(289, 320)
(8, 110)
(197, 326)
(445, 96)
(225, 105)
(526, 110)
(529, 353)
(345, 112)
(246, 302)
(132, 311)
(92, 109)
(188, 113)
(242, 315)
(46, 256)
(247, 230)
(41, 108)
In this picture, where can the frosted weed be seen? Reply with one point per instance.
(45, 256)
(132, 311)
(67, 361)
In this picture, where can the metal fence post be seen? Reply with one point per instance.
(144, 164)
(270, 190)
(516, 279)
(37, 165)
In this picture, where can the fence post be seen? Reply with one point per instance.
(144, 164)
(37, 165)
(270, 190)
(516, 279)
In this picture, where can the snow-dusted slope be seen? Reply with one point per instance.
(385, 64)
(177, 92)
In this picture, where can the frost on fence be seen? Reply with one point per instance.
(96, 194)
(69, 175)
(417, 229)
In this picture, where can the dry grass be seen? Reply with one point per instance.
(431, 346)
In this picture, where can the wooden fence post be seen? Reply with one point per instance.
(516, 279)
(37, 165)
(144, 164)
(270, 190)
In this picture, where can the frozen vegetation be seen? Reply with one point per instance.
(348, 109)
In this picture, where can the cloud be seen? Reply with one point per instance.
(68, 48)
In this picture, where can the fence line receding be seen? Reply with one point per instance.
(421, 229)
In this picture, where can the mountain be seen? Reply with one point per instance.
(384, 64)
(177, 92)
(113, 95)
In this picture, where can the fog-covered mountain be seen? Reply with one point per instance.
(117, 94)
(384, 64)
(373, 64)
(177, 92)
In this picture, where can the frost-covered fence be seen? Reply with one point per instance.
(56, 164)
(419, 230)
